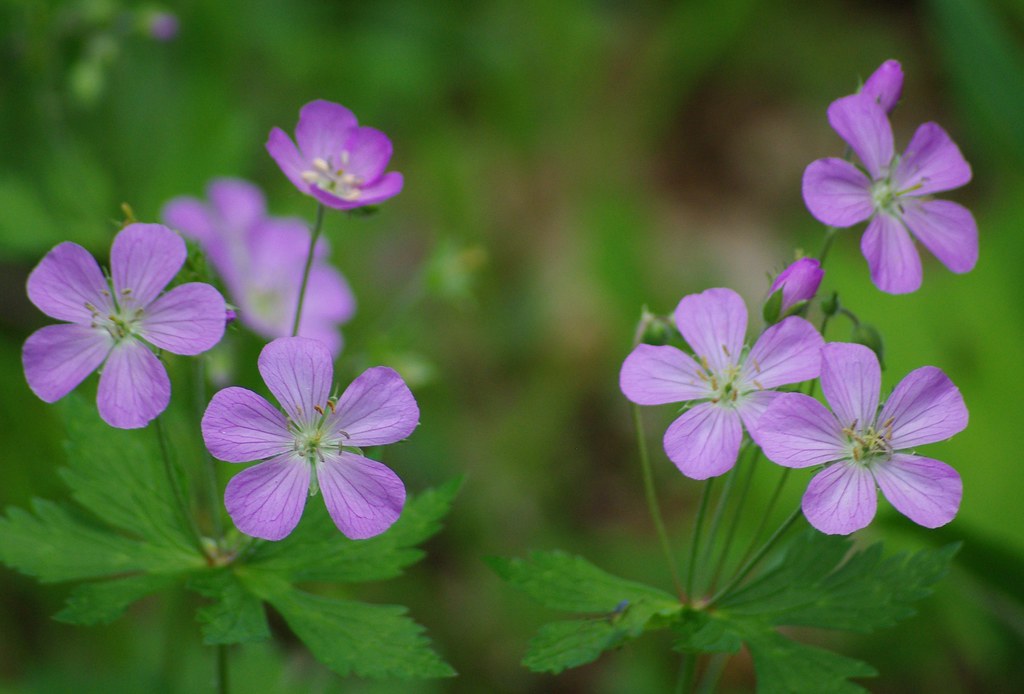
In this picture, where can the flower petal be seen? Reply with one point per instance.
(752, 407)
(369, 151)
(894, 262)
(931, 163)
(387, 186)
(363, 497)
(837, 193)
(924, 407)
(323, 129)
(714, 324)
(281, 148)
(143, 259)
(237, 202)
(240, 426)
(134, 387)
(787, 352)
(299, 372)
(851, 379)
(926, 491)
(656, 375)
(798, 431)
(376, 409)
(65, 281)
(840, 499)
(189, 319)
(59, 357)
(266, 500)
(885, 85)
(191, 217)
(946, 229)
(862, 123)
(705, 441)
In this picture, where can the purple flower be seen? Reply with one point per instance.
(110, 320)
(895, 194)
(162, 25)
(261, 260)
(798, 283)
(731, 384)
(337, 162)
(862, 447)
(885, 85)
(316, 432)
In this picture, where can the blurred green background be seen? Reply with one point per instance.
(566, 162)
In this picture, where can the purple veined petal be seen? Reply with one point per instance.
(705, 441)
(387, 186)
(931, 163)
(283, 151)
(376, 409)
(189, 319)
(134, 387)
(323, 129)
(328, 297)
(237, 202)
(798, 431)
(751, 408)
(240, 426)
(840, 499)
(837, 193)
(862, 123)
(714, 324)
(191, 218)
(66, 281)
(657, 375)
(894, 262)
(946, 229)
(59, 357)
(885, 85)
(266, 500)
(926, 491)
(363, 497)
(299, 372)
(143, 259)
(369, 151)
(851, 380)
(787, 352)
(924, 407)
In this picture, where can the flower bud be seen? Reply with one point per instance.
(796, 285)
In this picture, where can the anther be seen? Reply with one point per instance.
(319, 410)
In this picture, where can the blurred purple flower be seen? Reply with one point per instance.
(337, 162)
(799, 282)
(163, 25)
(860, 447)
(885, 85)
(316, 432)
(894, 194)
(110, 320)
(731, 385)
(261, 260)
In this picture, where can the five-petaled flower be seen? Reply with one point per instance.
(862, 447)
(316, 433)
(731, 384)
(337, 161)
(894, 193)
(110, 320)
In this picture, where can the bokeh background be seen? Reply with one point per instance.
(566, 163)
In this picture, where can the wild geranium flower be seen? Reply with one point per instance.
(115, 321)
(894, 192)
(261, 259)
(885, 85)
(316, 433)
(862, 447)
(798, 283)
(730, 384)
(337, 161)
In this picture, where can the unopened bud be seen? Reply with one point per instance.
(796, 285)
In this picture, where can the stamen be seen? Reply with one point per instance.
(726, 351)
(759, 386)
(319, 410)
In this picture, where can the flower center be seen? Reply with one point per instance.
(335, 181)
(122, 321)
(870, 444)
(883, 195)
(314, 439)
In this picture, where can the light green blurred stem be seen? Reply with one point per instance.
(698, 526)
(172, 479)
(317, 226)
(687, 674)
(723, 501)
(826, 246)
(222, 669)
(652, 501)
(212, 485)
(734, 521)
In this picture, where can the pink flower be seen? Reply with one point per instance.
(111, 320)
(731, 385)
(798, 283)
(337, 162)
(862, 447)
(315, 433)
(894, 194)
(885, 85)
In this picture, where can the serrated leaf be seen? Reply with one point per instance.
(237, 616)
(105, 601)
(700, 632)
(561, 645)
(787, 667)
(316, 551)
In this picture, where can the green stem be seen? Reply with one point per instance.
(737, 512)
(172, 479)
(723, 501)
(698, 526)
(652, 501)
(212, 483)
(826, 246)
(309, 264)
(222, 669)
(766, 514)
(713, 672)
(687, 674)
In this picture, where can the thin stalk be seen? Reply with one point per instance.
(712, 673)
(723, 501)
(172, 479)
(222, 669)
(766, 514)
(652, 501)
(687, 674)
(317, 226)
(735, 520)
(698, 526)
(826, 246)
(212, 484)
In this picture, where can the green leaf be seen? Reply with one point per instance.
(316, 551)
(787, 667)
(237, 616)
(700, 632)
(105, 601)
(561, 645)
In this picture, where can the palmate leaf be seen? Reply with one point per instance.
(236, 616)
(104, 601)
